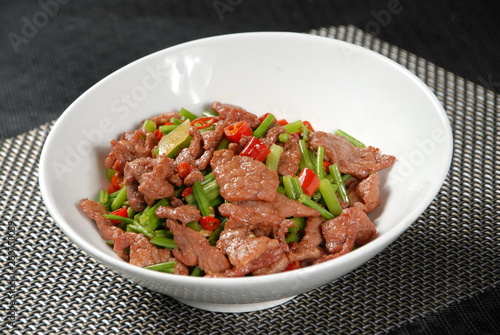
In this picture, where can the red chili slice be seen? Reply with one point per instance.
(209, 223)
(308, 125)
(204, 122)
(187, 191)
(293, 266)
(235, 131)
(256, 149)
(184, 169)
(116, 184)
(120, 212)
(309, 181)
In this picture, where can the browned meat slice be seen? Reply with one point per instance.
(351, 227)
(290, 158)
(211, 140)
(194, 249)
(234, 114)
(279, 266)
(272, 135)
(248, 253)
(309, 245)
(184, 213)
(165, 117)
(142, 252)
(195, 146)
(95, 211)
(243, 178)
(365, 194)
(359, 162)
(131, 145)
(261, 214)
(147, 179)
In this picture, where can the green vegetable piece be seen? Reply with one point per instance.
(214, 237)
(167, 267)
(274, 156)
(120, 198)
(201, 199)
(149, 125)
(308, 202)
(148, 219)
(120, 218)
(352, 140)
(164, 242)
(293, 127)
(197, 272)
(264, 126)
(335, 172)
(187, 114)
(320, 156)
(328, 192)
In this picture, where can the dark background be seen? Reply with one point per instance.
(44, 67)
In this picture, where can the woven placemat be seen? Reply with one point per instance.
(49, 286)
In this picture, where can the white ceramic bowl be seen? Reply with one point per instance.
(331, 83)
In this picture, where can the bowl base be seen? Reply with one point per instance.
(234, 308)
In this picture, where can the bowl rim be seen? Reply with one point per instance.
(370, 250)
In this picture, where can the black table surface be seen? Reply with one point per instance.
(52, 51)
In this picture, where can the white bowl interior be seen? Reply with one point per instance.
(330, 83)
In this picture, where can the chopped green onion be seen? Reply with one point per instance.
(293, 127)
(176, 121)
(292, 238)
(149, 125)
(211, 113)
(304, 151)
(136, 228)
(163, 232)
(289, 189)
(120, 198)
(281, 190)
(335, 172)
(264, 126)
(320, 155)
(201, 199)
(103, 196)
(208, 178)
(283, 137)
(212, 239)
(296, 186)
(120, 218)
(351, 139)
(223, 144)
(130, 212)
(168, 128)
(195, 225)
(187, 114)
(148, 218)
(164, 242)
(163, 267)
(308, 202)
(273, 158)
(197, 272)
(328, 192)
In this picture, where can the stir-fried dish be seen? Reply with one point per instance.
(231, 194)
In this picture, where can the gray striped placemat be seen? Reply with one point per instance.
(49, 286)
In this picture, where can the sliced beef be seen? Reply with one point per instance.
(243, 178)
(351, 227)
(279, 266)
(131, 145)
(261, 213)
(365, 194)
(234, 114)
(309, 245)
(247, 252)
(195, 146)
(290, 158)
(194, 249)
(147, 179)
(96, 211)
(359, 162)
(165, 117)
(211, 140)
(272, 134)
(184, 213)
